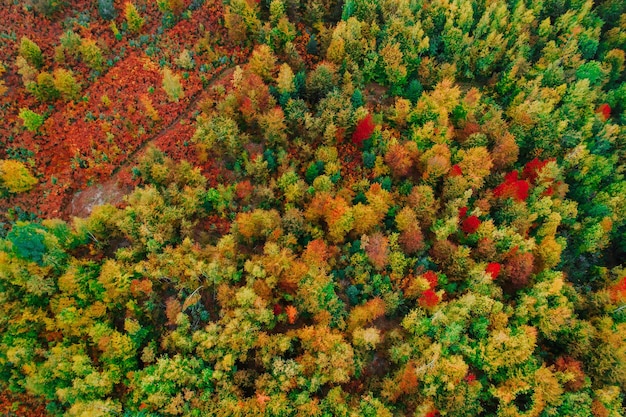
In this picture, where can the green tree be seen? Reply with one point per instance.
(66, 84)
(27, 241)
(106, 9)
(172, 85)
(71, 42)
(30, 51)
(133, 19)
(91, 54)
(44, 88)
(32, 121)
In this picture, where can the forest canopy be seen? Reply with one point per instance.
(313, 208)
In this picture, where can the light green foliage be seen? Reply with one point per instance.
(71, 43)
(398, 208)
(32, 121)
(44, 87)
(184, 60)
(172, 85)
(66, 84)
(91, 54)
(30, 51)
(134, 20)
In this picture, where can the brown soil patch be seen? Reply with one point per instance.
(83, 202)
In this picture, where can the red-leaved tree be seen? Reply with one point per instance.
(364, 129)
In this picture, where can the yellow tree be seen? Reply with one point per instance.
(30, 51)
(172, 85)
(15, 177)
(262, 62)
(67, 85)
(133, 19)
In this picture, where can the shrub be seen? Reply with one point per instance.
(30, 51)
(15, 177)
(32, 121)
(106, 9)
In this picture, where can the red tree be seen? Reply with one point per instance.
(364, 129)
(605, 110)
(470, 225)
(493, 269)
(531, 170)
(429, 299)
(513, 187)
(432, 279)
(455, 171)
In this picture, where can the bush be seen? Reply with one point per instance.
(32, 121)
(15, 177)
(106, 9)
(30, 51)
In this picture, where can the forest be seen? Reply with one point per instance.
(352, 208)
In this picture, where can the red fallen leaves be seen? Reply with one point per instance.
(456, 171)
(512, 187)
(364, 129)
(470, 225)
(470, 378)
(493, 269)
(604, 110)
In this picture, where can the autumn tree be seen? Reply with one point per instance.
(262, 62)
(321, 80)
(133, 19)
(91, 54)
(363, 130)
(184, 60)
(241, 20)
(172, 85)
(15, 176)
(44, 87)
(3, 87)
(31, 52)
(106, 9)
(32, 121)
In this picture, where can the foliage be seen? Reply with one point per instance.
(32, 121)
(134, 20)
(172, 85)
(354, 208)
(15, 176)
(106, 9)
(31, 52)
